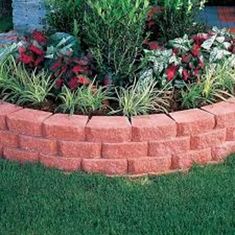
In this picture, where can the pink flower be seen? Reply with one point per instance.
(185, 75)
(186, 58)
(171, 72)
(80, 69)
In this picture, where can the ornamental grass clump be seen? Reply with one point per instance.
(21, 87)
(142, 97)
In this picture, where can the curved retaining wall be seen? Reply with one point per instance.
(113, 145)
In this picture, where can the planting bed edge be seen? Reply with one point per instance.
(151, 144)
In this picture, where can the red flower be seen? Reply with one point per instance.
(80, 69)
(21, 50)
(36, 50)
(55, 66)
(38, 61)
(185, 75)
(171, 72)
(73, 83)
(153, 45)
(196, 50)
(83, 80)
(59, 83)
(26, 59)
(39, 37)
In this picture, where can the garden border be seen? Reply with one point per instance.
(151, 144)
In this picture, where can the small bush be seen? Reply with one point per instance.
(176, 18)
(114, 31)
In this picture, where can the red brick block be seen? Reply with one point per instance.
(222, 151)
(6, 108)
(186, 160)
(70, 149)
(170, 146)
(231, 133)
(224, 113)
(108, 129)
(27, 121)
(149, 165)
(8, 139)
(65, 127)
(41, 145)
(61, 163)
(209, 139)
(124, 150)
(193, 121)
(20, 155)
(153, 127)
(106, 166)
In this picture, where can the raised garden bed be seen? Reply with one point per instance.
(151, 144)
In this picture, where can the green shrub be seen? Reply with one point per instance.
(143, 97)
(65, 15)
(178, 18)
(21, 87)
(113, 31)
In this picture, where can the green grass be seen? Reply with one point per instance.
(38, 201)
(6, 24)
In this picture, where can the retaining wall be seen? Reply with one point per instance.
(150, 144)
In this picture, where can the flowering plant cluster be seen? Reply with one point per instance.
(183, 60)
(61, 55)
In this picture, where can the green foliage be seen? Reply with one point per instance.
(21, 87)
(178, 18)
(217, 83)
(86, 99)
(113, 31)
(36, 200)
(66, 15)
(142, 97)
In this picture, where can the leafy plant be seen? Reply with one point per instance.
(176, 18)
(85, 99)
(22, 87)
(143, 97)
(113, 31)
(65, 15)
(217, 83)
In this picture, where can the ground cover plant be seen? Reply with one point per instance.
(120, 58)
(35, 200)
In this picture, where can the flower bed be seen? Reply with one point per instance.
(151, 144)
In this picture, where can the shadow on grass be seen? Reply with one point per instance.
(35, 200)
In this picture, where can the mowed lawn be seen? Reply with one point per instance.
(39, 201)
